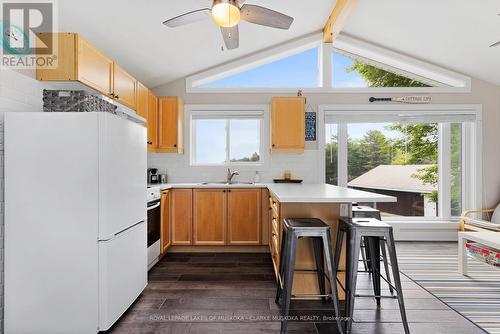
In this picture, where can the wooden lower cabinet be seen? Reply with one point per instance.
(209, 216)
(214, 217)
(181, 216)
(244, 225)
(304, 282)
(165, 236)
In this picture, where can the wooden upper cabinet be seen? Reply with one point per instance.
(152, 118)
(124, 86)
(181, 206)
(142, 100)
(244, 216)
(288, 124)
(165, 237)
(66, 59)
(170, 125)
(93, 67)
(79, 60)
(209, 216)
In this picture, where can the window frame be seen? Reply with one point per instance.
(228, 112)
(452, 82)
(471, 150)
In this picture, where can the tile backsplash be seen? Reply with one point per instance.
(303, 166)
(57, 100)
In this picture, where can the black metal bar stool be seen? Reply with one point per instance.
(374, 230)
(359, 211)
(296, 228)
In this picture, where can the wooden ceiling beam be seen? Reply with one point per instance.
(337, 19)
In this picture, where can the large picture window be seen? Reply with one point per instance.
(419, 159)
(224, 138)
(395, 159)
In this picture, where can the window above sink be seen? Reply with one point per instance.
(227, 136)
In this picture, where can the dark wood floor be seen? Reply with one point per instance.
(234, 293)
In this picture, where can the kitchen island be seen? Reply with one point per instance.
(323, 201)
(199, 218)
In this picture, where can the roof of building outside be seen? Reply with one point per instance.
(393, 177)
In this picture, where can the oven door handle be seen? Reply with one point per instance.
(154, 206)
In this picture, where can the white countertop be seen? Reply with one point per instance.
(296, 193)
(164, 186)
(323, 193)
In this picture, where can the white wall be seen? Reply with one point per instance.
(305, 166)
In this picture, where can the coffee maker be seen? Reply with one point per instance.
(153, 176)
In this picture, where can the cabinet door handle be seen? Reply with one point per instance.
(150, 143)
(273, 145)
(175, 145)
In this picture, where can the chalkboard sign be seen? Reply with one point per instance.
(310, 126)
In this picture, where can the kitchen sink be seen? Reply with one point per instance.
(224, 182)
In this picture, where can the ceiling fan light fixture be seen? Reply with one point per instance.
(225, 13)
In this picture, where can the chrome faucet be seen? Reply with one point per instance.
(230, 175)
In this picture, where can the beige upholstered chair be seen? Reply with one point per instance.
(492, 223)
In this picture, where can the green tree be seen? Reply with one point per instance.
(419, 146)
(419, 143)
(456, 169)
(377, 77)
(331, 152)
(372, 150)
(255, 157)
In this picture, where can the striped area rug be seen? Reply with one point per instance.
(433, 265)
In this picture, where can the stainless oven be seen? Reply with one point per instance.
(154, 225)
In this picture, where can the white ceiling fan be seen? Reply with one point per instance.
(228, 13)
(495, 44)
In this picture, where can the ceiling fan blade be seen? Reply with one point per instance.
(231, 37)
(265, 17)
(495, 44)
(194, 16)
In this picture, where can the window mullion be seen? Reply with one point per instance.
(193, 141)
(444, 170)
(325, 65)
(227, 141)
(342, 155)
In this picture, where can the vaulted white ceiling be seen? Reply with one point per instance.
(455, 34)
(451, 33)
(132, 33)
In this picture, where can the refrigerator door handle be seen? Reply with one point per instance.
(112, 236)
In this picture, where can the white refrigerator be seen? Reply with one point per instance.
(75, 220)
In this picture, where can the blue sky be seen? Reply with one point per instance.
(341, 77)
(211, 139)
(299, 70)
